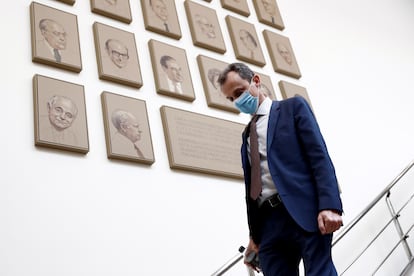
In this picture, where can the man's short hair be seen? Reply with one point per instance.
(44, 22)
(165, 59)
(240, 68)
(212, 73)
(119, 117)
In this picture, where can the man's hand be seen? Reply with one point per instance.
(329, 221)
(251, 247)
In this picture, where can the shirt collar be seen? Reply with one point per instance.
(264, 107)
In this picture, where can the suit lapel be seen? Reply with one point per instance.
(273, 117)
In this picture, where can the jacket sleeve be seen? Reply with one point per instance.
(314, 147)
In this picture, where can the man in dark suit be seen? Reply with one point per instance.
(296, 207)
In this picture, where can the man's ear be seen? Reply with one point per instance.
(256, 80)
(123, 127)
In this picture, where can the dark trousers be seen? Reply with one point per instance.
(283, 244)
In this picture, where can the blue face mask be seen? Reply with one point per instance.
(247, 103)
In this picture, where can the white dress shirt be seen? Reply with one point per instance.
(268, 186)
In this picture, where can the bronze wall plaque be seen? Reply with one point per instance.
(201, 143)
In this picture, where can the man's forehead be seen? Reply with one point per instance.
(63, 102)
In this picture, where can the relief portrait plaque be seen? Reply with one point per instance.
(171, 72)
(281, 54)
(127, 130)
(268, 13)
(238, 6)
(59, 115)
(204, 27)
(245, 42)
(200, 143)
(160, 16)
(116, 9)
(116, 55)
(55, 37)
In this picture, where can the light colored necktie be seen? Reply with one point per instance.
(139, 152)
(177, 89)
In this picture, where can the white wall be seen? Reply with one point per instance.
(118, 218)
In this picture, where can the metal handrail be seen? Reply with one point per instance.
(230, 263)
(351, 225)
(346, 229)
(394, 218)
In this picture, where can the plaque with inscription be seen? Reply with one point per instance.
(197, 142)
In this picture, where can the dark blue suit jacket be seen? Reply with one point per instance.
(299, 164)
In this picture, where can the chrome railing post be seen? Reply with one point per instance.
(397, 224)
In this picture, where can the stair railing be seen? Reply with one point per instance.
(403, 236)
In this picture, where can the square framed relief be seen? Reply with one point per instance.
(115, 9)
(268, 13)
(171, 72)
(55, 37)
(281, 54)
(245, 41)
(205, 27)
(59, 114)
(127, 130)
(116, 55)
(238, 6)
(160, 16)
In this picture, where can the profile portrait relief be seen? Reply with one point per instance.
(210, 70)
(281, 54)
(55, 38)
(127, 130)
(161, 16)
(248, 42)
(268, 13)
(204, 27)
(60, 116)
(116, 55)
(171, 72)
(212, 75)
(245, 41)
(115, 9)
